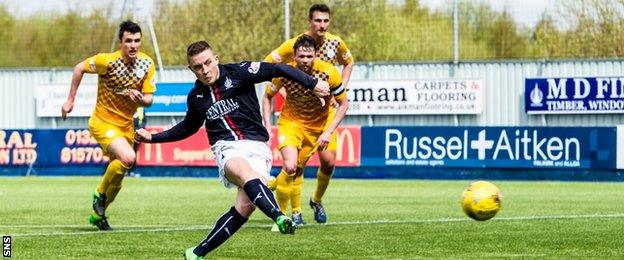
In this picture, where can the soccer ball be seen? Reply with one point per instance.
(481, 200)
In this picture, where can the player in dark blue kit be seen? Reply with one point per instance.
(224, 97)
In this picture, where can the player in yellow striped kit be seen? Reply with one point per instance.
(331, 49)
(125, 82)
(303, 125)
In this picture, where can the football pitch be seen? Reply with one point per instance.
(157, 218)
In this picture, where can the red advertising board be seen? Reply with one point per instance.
(195, 150)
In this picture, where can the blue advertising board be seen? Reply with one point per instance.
(66, 147)
(577, 95)
(169, 99)
(490, 147)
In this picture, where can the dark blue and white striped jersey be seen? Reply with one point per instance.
(230, 106)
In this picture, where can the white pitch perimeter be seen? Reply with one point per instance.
(169, 228)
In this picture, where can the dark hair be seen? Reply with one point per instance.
(305, 41)
(128, 26)
(323, 8)
(196, 48)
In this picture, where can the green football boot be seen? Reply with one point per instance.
(189, 255)
(99, 221)
(285, 225)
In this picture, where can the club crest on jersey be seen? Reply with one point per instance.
(228, 83)
(331, 53)
(140, 73)
(254, 67)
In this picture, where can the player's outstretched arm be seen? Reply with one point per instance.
(187, 127)
(319, 87)
(68, 106)
(257, 72)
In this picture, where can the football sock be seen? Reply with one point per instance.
(225, 227)
(322, 181)
(111, 193)
(295, 200)
(112, 177)
(283, 190)
(260, 195)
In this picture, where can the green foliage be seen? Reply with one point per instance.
(374, 30)
(370, 219)
(237, 30)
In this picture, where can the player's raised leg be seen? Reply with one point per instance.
(125, 156)
(118, 144)
(239, 172)
(252, 193)
(230, 222)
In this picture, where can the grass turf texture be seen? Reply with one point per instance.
(158, 218)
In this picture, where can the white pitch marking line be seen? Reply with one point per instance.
(165, 228)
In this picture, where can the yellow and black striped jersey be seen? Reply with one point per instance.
(302, 105)
(332, 50)
(115, 80)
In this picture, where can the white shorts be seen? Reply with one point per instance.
(256, 153)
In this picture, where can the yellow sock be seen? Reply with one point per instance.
(111, 182)
(322, 181)
(296, 193)
(111, 193)
(283, 190)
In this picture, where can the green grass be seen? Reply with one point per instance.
(157, 218)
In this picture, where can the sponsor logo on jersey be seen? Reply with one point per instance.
(221, 108)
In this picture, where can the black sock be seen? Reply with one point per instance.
(225, 227)
(262, 198)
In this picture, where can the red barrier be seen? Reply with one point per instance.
(195, 150)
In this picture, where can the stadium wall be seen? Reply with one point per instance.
(504, 84)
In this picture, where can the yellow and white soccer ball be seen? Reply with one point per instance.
(481, 200)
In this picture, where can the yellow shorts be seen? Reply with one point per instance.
(332, 141)
(104, 133)
(291, 133)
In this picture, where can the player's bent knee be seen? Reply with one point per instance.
(290, 167)
(328, 165)
(127, 159)
(327, 159)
